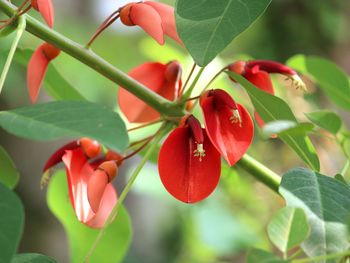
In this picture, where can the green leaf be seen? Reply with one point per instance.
(11, 223)
(286, 127)
(257, 255)
(32, 258)
(341, 179)
(326, 203)
(206, 27)
(59, 119)
(113, 245)
(7, 30)
(54, 83)
(8, 173)
(327, 120)
(272, 108)
(288, 228)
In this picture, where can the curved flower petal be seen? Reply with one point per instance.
(95, 188)
(184, 175)
(152, 75)
(149, 20)
(231, 138)
(37, 67)
(45, 8)
(261, 79)
(56, 157)
(167, 15)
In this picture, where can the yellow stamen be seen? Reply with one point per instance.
(236, 117)
(297, 82)
(199, 152)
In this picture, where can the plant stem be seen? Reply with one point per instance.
(260, 172)
(315, 259)
(20, 29)
(193, 85)
(163, 131)
(95, 62)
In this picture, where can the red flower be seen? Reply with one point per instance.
(45, 8)
(79, 172)
(156, 19)
(164, 79)
(228, 124)
(257, 72)
(189, 165)
(37, 68)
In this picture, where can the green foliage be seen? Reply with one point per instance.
(288, 228)
(272, 108)
(326, 203)
(9, 175)
(59, 119)
(32, 258)
(207, 27)
(7, 30)
(331, 79)
(261, 256)
(327, 120)
(113, 245)
(11, 223)
(286, 127)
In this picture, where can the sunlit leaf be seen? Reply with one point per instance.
(32, 258)
(11, 223)
(326, 203)
(286, 127)
(327, 120)
(207, 27)
(59, 119)
(8, 173)
(113, 245)
(288, 228)
(257, 255)
(272, 108)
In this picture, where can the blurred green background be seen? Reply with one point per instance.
(234, 218)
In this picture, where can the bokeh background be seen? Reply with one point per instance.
(234, 218)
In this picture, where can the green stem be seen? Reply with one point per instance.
(193, 85)
(89, 58)
(20, 29)
(163, 131)
(315, 259)
(260, 172)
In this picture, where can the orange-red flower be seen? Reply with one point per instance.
(154, 18)
(164, 79)
(45, 8)
(228, 124)
(189, 165)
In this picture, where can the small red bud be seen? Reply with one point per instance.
(110, 168)
(90, 147)
(50, 51)
(173, 71)
(238, 67)
(125, 14)
(114, 156)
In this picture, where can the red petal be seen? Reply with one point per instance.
(45, 8)
(271, 67)
(166, 13)
(152, 76)
(261, 79)
(231, 140)
(95, 189)
(259, 120)
(149, 20)
(183, 175)
(56, 157)
(36, 71)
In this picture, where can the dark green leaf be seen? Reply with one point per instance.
(8, 173)
(59, 119)
(262, 256)
(113, 245)
(11, 223)
(327, 120)
(206, 27)
(341, 179)
(286, 127)
(272, 108)
(288, 228)
(32, 258)
(326, 203)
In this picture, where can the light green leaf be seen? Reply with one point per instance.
(113, 245)
(206, 27)
(261, 256)
(327, 120)
(11, 223)
(272, 108)
(8, 173)
(286, 127)
(32, 258)
(288, 228)
(326, 203)
(59, 119)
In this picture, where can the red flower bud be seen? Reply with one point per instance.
(45, 8)
(91, 148)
